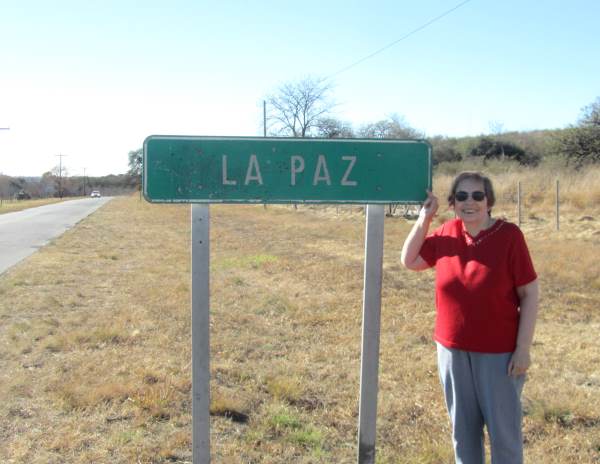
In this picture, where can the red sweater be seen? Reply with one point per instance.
(475, 286)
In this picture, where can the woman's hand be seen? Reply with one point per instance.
(528, 307)
(410, 257)
(519, 362)
(430, 206)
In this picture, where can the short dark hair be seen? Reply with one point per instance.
(488, 188)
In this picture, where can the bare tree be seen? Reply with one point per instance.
(333, 128)
(135, 162)
(297, 107)
(496, 127)
(395, 127)
(10, 186)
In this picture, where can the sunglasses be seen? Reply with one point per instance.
(462, 196)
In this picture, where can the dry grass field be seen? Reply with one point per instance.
(95, 337)
(10, 206)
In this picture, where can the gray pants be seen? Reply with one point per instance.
(478, 392)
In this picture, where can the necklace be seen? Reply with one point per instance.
(491, 227)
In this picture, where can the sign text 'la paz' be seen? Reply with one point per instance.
(285, 170)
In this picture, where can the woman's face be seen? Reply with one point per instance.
(470, 210)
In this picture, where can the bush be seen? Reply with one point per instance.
(489, 148)
(446, 154)
(23, 195)
(581, 143)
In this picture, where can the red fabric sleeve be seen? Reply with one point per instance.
(428, 250)
(520, 261)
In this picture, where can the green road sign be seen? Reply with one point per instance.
(285, 170)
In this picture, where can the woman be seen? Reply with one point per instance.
(486, 301)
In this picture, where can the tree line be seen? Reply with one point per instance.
(305, 109)
(53, 185)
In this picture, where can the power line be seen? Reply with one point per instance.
(414, 31)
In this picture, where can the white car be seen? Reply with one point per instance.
(95, 194)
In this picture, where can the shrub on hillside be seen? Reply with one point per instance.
(493, 148)
(581, 143)
(445, 154)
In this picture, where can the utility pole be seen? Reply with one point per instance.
(60, 192)
(84, 182)
(264, 118)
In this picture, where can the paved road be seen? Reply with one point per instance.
(22, 233)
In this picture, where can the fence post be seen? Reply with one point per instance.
(519, 203)
(557, 206)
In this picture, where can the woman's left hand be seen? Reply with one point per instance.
(519, 362)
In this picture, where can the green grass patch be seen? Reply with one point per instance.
(285, 419)
(291, 427)
(308, 437)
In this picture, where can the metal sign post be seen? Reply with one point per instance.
(369, 362)
(204, 170)
(200, 334)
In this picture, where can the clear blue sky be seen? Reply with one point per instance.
(91, 80)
